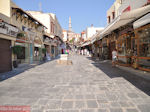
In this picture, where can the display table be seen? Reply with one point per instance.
(64, 60)
(64, 57)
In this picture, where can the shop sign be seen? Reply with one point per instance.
(8, 29)
(21, 44)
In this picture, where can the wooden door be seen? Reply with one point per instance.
(5, 56)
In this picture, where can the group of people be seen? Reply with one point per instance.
(84, 52)
(88, 53)
(64, 51)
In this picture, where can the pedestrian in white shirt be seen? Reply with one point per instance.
(82, 52)
(114, 57)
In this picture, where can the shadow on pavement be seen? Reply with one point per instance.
(19, 70)
(139, 82)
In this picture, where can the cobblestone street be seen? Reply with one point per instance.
(85, 86)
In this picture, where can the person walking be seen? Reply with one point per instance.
(114, 57)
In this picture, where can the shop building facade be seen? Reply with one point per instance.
(8, 34)
(130, 36)
(18, 30)
(141, 43)
(53, 30)
(29, 37)
(128, 33)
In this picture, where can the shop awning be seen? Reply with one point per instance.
(125, 18)
(52, 36)
(85, 44)
(93, 40)
(21, 44)
(37, 45)
(142, 21)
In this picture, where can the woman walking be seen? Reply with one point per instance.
(114, 57)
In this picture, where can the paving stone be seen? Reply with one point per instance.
(92, 104)
(104, 105)
(131, 104)
(143, 95)
(122, 97)
(70, 110)
(147, 101)
(138, 101)
(103, 88)
(90, 96)
(112, 97)
(79, 97)
(35, 106)
(88, 110)
(53, 111)
(58, 97)
(102, 101)
(133, 95)
(67, 104)
(80, 104)
(102, 110)
(131, 110)
(53, 104)
(144, 108)
(101, 97)
(116, 110)
(37, 110)
(124, 104)
(115, 104)
(42, 101)
(69, 97)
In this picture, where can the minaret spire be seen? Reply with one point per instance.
(40, 6)
(70, 26)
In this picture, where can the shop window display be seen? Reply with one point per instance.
(105, 51)
(21, 55)
(144, 47)
(124, 49)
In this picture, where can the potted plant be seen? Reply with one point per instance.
(21, 36)
(16, 50)
(44, 50)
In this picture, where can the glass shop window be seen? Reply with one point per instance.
(121, 46)
(144, 42)
(124, 45)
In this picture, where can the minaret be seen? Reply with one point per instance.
(40, 7)
(70, 26)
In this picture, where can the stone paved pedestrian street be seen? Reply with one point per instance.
(81, 87)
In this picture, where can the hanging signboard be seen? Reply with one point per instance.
(8, 29)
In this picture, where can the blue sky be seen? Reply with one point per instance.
(83, 12)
